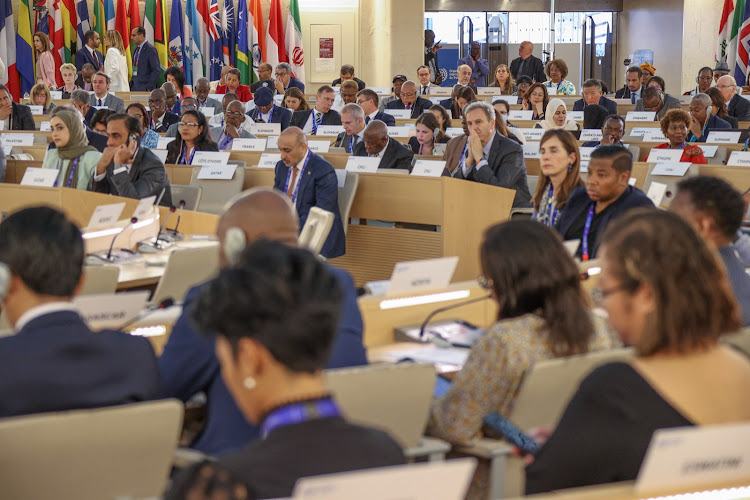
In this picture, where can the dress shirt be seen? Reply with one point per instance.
(308, 129)
(158, 121)
(100, 100)
(299, 166)
(485, 153)
(359, 138)
(371, 116)
(424, 90)
(41, 310)
(117, 168)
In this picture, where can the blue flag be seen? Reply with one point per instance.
(228, 33)
(193, 56)
(215, 41)
(84, 25)
(176, 51)
(242, 61)
(43, 25)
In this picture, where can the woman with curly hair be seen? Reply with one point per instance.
(675, 126)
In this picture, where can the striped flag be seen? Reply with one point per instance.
(84, 25)
(8, 49)
(215, 42)
(743, 42)
(275, 52)
(123, 27)
(257, 38)
(56, 36)
(155, 24)
(70, 24)
(204, 22)
(739, 9)
(241, 59)
(228, 33)
(134, 21)
(176, 49)
(24, 44)
(100, 23)
(295, 53)
(109, 14)
(724, 32)
(193, 57)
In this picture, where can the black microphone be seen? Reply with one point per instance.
(152, 245)
(163, 225)
(174, 231)
(112, 245)
(448, 308)
(164, 304)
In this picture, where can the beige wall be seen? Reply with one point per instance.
(699, 31)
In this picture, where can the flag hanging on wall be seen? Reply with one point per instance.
(204, 21)
(228, 33)
(24, 44)
(56, 36)
(100, 23)
(243, 47)
(256, 38)
(70, 24)
(122, 26)
(295, 53)
(275, 52)
(176, 49)
(84, 25)
(193, 57)
(8, 49)
(741, 40)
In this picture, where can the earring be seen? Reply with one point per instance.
(570, 167)
(249, 383)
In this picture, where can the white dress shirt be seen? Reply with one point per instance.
(308, 128)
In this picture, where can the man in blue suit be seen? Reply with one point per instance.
(89, 54)
(369, 102)
(54, 362)
(309, 181)
(285, 80)
(593, 94)
(146, 67)
(266, 112)
(188, 364)
(702, 120)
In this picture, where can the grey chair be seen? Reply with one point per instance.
(214, 192)
(346, 195)
(670, 180)
(185, 268)
(191, 195)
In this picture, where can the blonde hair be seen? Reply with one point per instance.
(38, 89)
(507, 89)
(115, 40)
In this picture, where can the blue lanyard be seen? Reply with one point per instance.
(351, 144)
(72, 171)
(551, 208)
(461, 158)
(259, 114)
(586, 230)
(225, 140)
(137, 56)
(183, 160)
(299, 178)
(297, 413)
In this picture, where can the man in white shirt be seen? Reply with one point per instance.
(423, 74)
(322, 114)
(353, 121)
(368, 101)
(101, 96)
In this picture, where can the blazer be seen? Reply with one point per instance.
(299, 118)
(293, 82)
(263, 83)
(505, 167)
(3, 165)
(56, 363)
(360, 83)
(116, 66)
(395, 154)
(45, 66)
(713, 122)
(167, 120)
(603, 101)
(420, 106)
(211, 103)
(318, 187)
(342, 141)
(579, 202)
(479, 72)
(389, 120)
(244, 93)
(217, 131)
(147, 177)
(669, 103)
(113, 102)
(21, 118)
(534, 68)
(149, 69)
(278, 115)
(624, 93)
(83, 56)
(739, 107)
(81, 84)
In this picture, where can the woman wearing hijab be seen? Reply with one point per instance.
(73, 157)
(556, 116)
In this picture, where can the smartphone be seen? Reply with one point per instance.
(442, 385)
(515, 436)
(132, 138)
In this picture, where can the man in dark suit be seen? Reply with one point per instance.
(633, 88)
(54, 362)
(593, 94)
(368, 101)
(284, 79)
(99, 141)
(489, 157)
(480, 68)
(201, 89)
(702, 119)
(14, 116)
(188, 364)
(353, 120)
(265, 78)
(309, 181)
(321, 114)
(410, 100)
(608, 191)
(89, 54)
(612, 132)
(160, 119)
(377, 144)
(737, 106)
(527, 64)
(267, 112)
(347, 73)
(656, 100)
(146, 67)
(101, 95)
(84, 78)
(125, 168)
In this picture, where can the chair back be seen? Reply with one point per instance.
(670, 180)
(191, 195)
(99, 280)
(739, 341)
(214, 192)
(317, 228)
(720, 157)
(186, 268)
(346, 195)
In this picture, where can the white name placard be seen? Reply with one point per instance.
(210, 158)
(402, 114)
(362, 164)
(489, 91)
(161, 154)
(265, 128)
(531, 149)
(440, 91)
(640, 116)
(399, 131)
(208, 112)
(639, 131)
(656, 192)
(332, 130)
(341, 177)
(17, 139)
(436, 100)
(520, 114)
(664, 155)
(723, 137)
(217, 172)
(143, 209)
(591, 134)
(272, 142)
(163, 142)
(109, 310)
(384, 90)
(708, 150)
(269, 160)
(584, 167)
(422, 275)
(533, 134)
(36, 109)
(428, 168)
(99, 107)
(632, 181)
(45, 127)
(318, 146)
(248, 144)
(55, 94)
(105, 215)
(739, 159)
(575, 115)
(454, 132)
(654, 135)
(674, 169)
(586, 153)
(440, 148)
(7, 150)
(42, 177)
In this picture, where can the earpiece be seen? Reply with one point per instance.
(709, 110)
(234, 243)
(4, 281)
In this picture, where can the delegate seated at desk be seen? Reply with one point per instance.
(14, 116)
(377, 144)
(73, 157)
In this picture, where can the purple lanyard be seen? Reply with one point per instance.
(225, 140)
(551, 208)
(586, 230)
(72, 171)
(184, 155)
(137, 56)
(299, 178)
(461, 158)
(297, 413)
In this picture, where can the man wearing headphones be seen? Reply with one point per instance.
(702, 118)
(188, 364)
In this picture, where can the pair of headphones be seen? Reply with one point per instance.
(235, 242)
(4, 281)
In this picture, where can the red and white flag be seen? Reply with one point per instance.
(725, 31)
(295, 53)
(275, 52)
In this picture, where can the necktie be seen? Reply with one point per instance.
(425, 90)
(135, 56)
(100, 102)
(98, 62)
(290, 191)
(632, 97)
(408, 106)
(316, 122)
(367, 120)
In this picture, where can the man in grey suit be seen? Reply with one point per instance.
(101, 96)
(201, 89)
(489, 157)
(232, 129)
(653, 99)
(377, 144)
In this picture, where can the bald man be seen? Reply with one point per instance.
(377, 144)
(234, 118)
(309, 181)
(737, 106)
(188, 365)
(408, 99)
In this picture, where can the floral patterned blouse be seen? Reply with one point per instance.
(563, 88)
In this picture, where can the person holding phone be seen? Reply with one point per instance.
(430, 56)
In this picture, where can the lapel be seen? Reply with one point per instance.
(388, 153)
(494, 155)
(306, 178)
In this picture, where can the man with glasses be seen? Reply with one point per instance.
(187, 104)
(201, 89)
(353, 120)
(612, 132)
(702, 119)
(653, 100)
(368, 101)
(410, 101)
(423, 75)
(160, 119)
(593, 94)
(234, 117)
(737, 106)
(322, 114)
(265, 78)
(284, 79)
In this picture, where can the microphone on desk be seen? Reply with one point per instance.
(112, 245)
(174, 233)
(447, 308)
(151, 246)
(164, 304)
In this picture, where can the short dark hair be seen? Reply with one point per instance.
(100, 116)
(325, 88)
(90, 34)
(370, 95)
(635, 69)
(44, 249)
(658, 80)
(235, 72)
(282, 297)
(524, 79)
(347, 69)
(132, 123)
(706, 68)
(614, 117)
(716, 198)
(650, 93)
(592, 82)
(140, 30)
(144, 112)
(177, 74)
(622, 158)
(503, 102)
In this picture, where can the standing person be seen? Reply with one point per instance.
(504, 80)
(526, 64)
(45, 62)
(115, 65)
(146, 66)
(480, 68)
(68, 72)
(73, 157)
(430, 57)
(90, 54)
(560, 163)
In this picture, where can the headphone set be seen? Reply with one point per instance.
(4, 281)
(235, 242)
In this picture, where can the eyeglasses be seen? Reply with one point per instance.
(156, 101)
(411, 94)
(599, 294)
(485, 283)
(188, 106)
(705, 78)
(190, 125)
(279, 74)
(236, 114)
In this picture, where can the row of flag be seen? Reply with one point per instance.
(733, 46)
(201, 41)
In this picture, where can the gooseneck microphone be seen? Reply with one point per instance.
(112, 245)
(174, 232)
(163, 225)
(448, 308)
(164, 304)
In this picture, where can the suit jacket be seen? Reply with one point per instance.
(713, 122)
(420, 106)
(244, 93)
(278, 115)
(147, 177)
(188, 366)
(167, 120)
(342, 141)
(293, 82)
(447, 104)
(505, 167)
(669, 103)
(149, 69)
(624, 93)
(56, 363)
(263, 83)
(212, 103)
(739, 108)
(99, 141)
(389, 120)
(113, 102)
(81, 84)
(534, 68)
(395, 155)
(216, 133)
(83, 56)
(21, 118)
(603, 101)
(480, 70)
(299, 118)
